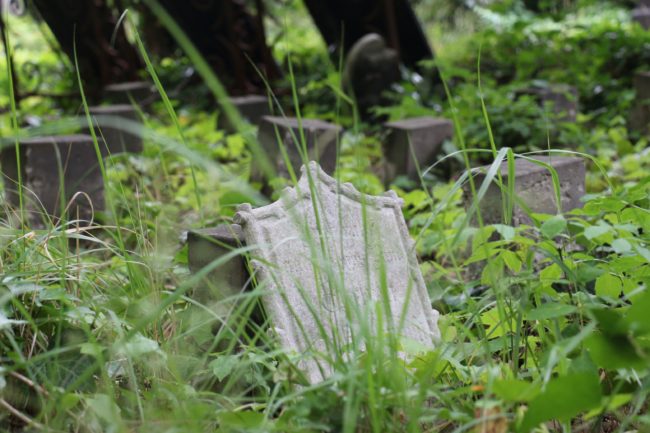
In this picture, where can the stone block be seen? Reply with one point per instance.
(534, 187)
(53, 169)
(641, 15)
(115, 140)
(141, 92)
(251, 107)
(332, 261)
(228, 279)
(320, 138)
(421, 137)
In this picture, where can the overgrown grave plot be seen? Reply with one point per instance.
(338, 273)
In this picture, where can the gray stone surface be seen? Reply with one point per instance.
(425, 135)
(321, 267)
(320, 139)
(41, 172)
(640, 115)
(115, 140)
(534, 187)
(228, 279)
(642, 16)
(251, 107)
(141, 92)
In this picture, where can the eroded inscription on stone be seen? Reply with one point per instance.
(337, 264)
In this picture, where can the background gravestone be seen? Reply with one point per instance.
(141, 92)
(562, 97)
(323, 277)
(425, 135)
(642, 16)
(251, 107)
(43, 160)
(116, 140)
(321, 139)
(534, 186)
(640, 116)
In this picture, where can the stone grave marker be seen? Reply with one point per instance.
(48, 162)
(230, 278)
(320, 137)
(141, 92)
(534, 187)
(116, 140)
(424, 135)
(642, 16)
(251, 107)
(640, 115)
(321, 268)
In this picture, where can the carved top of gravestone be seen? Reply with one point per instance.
(129, 86)
(324, 252)
(229, 234)
(307, 124)
(421, 123)
(249, 99)
(116, 109)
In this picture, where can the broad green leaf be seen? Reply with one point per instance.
(553, 226)
(223, 365)
(621, 246)
(550, 311)
(593, 232)
(514, 390)
(614, 351)
(563, 398)
(609, 285)
(512, 260)
(105, 408)
(244, 419)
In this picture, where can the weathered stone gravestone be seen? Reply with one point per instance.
(642, 16)
(420, 137)
(333, 262)
(640, 116)
(228, 279)
(562, 97)
(46, 164)
(113, 139)
(320, 138)
(251, 107)
(533, 187)
(140, 92)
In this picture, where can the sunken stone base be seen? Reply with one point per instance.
(320, 139)
(251, 107)
(534, 187)
(115, 139)
(420, 137)
(640, 116)
(54, 170)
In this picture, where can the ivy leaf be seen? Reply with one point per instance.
(609, 285)
(553, 226)
(223, 365)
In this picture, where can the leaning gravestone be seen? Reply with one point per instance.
(320, 138)
(46, 164)
(421, 137)
(323, 253)
(114, 139)
(533, 187)
(251, 107)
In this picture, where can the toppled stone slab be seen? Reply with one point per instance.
(141, 92)
(113, 139)
(251, 107)
(205, 246)
(46, 165)
(420, 137)
(320, 138)
(533, 187)
(331, 261)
